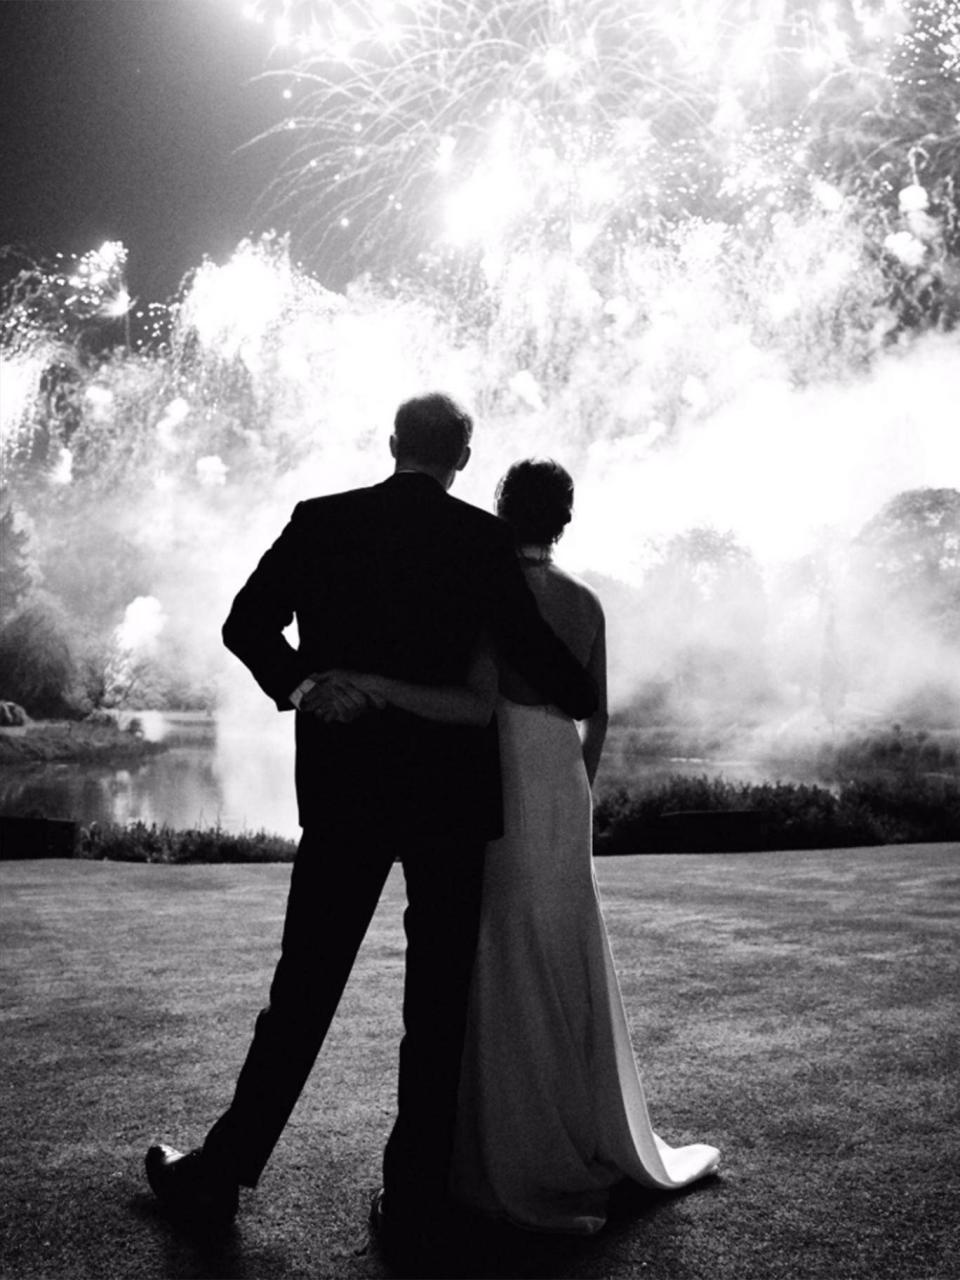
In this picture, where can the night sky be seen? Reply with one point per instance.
(122, 119)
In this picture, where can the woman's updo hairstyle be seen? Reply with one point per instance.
(535, 498)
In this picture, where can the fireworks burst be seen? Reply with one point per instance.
(92, 285)
(46, 312)
(454, 121)
(58, 301)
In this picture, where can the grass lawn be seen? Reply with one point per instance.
(799, 1010)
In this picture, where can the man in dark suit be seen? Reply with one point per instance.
(405, 581)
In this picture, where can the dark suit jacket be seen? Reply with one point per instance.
(400, 579)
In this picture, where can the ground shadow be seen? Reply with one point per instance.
(215, 1253)
(477, 1249)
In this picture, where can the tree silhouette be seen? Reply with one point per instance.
(911, 549)
(16, 577)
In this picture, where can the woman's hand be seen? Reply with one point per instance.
(373, 686)
(339, 696)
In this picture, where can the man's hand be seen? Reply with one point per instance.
(339, 696)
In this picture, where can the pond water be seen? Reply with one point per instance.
(210, 774)
(235, 772)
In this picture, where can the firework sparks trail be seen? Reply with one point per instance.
(455, 119)
(21, 374)
(93, 285)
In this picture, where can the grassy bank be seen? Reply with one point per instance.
(798, 1013)
(82, 741)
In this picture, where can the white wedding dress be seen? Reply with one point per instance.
(552, 1112)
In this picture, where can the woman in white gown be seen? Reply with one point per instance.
(552, 1112)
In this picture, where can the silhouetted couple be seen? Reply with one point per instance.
(443, 663)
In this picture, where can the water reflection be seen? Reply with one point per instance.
(239, 777)
(236, 772)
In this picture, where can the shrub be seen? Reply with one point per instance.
(142, 843)
(892, 810)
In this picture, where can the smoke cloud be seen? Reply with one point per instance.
(776, 420)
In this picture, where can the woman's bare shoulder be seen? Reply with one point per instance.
(577, 590)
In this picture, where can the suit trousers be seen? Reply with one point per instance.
(335, 885)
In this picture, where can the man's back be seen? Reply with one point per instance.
(403, 580)
(396, 579)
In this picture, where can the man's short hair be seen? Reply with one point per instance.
(432, 430)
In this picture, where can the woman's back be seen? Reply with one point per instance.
(551, 1110)
(571, 609)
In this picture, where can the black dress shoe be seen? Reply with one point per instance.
(394, 1235)
(189, 1189)
(411, 1241)
(378, 1223)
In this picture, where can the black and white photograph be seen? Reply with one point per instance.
(479, 639)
